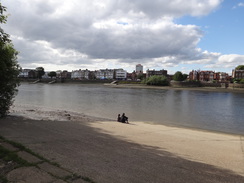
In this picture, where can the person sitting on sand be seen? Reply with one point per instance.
(119, 118)
(124, 119)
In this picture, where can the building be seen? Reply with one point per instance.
(194, 75)
(104, 74)
(238, 74)
(120, 74)
(221, 77)
(66, 75)
(24, 73)
(206, 76)
(139, 68)
(156, 73)
(80, 74)
(28, 73)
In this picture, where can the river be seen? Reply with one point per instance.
(216, 111)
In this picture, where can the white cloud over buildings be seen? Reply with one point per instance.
(98, 34)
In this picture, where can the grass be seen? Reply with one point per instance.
(3, 179)
(23, 148)
(7, 156)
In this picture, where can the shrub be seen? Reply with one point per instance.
(156, 80)
(242, 81)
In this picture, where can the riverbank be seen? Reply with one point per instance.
(136, 84)
(208, 89)
(108, 151)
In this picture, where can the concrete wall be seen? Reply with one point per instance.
(235, 85)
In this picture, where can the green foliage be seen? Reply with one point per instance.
(242, 81)
(9, 69)
(140, 76)
(178, 76)
(3, 19)
(240, 67)
(52, 74)
(7, 155)
(40, 72)
(185, 76)
(236, 80)
(156, 80)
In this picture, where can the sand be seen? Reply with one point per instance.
(109, 151)
(220, 150)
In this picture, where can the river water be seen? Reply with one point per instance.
(217, 111)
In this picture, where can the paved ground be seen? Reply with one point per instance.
(83, 150)
(38, 170)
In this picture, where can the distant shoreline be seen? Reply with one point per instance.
(207, 89)
(143, 86)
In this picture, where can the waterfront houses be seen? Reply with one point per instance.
(162, 72)
(25, 73)
(136, 75)
(208, 76)
(80, 74)
(104, 74)
(120, 74)
(238, 74)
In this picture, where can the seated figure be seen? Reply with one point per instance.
(124, 119)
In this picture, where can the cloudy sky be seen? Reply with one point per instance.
(97, 34)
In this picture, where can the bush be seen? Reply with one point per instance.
(156, 80)
(242, 81)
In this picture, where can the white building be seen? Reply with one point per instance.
(121, 74)
(104, 74)
(24, 73)
(80, 74)
(139, 68)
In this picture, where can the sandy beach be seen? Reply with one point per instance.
(109, 151)
(220, 150)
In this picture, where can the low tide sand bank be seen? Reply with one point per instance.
(220, 150)
(217, 149)
(112, 147)
(206, 89)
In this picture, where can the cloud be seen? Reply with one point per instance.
(108, 33)
(227, 61)
(241, 4)
(238, 5)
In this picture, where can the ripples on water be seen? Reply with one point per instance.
(217, 111)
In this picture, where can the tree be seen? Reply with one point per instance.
(9, 69)
(185, 76)
(178, 76)
(40, 72)
(240, 67)
(52, 74)
(140, 76)
(156, 80)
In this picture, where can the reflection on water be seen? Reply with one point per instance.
(198, 109)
